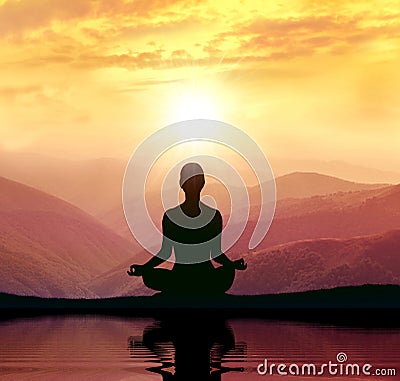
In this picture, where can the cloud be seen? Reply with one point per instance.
(17, 16)
(161, 60)
(115, 36)
(143, 84)
(283, 38)
(133, 61)
(11, 93)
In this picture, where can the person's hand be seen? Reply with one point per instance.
(239, 264)
(136, 270)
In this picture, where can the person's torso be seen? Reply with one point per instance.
(192, 237)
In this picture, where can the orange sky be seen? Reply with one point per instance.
(306, 79)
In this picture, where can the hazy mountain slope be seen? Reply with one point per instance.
(322, 263)
(292, 267)
(290, 207)
(93, 185)
(340, 215)
(295, 185)
(337, 168)
(116, 282)
(307, 184)
(49, 247)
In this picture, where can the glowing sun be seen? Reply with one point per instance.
(194, 101)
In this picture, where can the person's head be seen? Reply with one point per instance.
(192, 178)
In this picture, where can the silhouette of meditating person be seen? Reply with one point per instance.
(193, 230)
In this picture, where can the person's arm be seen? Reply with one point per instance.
(216, 251)
(163, 254)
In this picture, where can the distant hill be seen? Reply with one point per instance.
(94, 185)
(290, 207)
(303, 221)
(336, 168)
(339, 215)
(115, 220)
(294, 185)
(298, 266)
(320, 264)
(116, 282)
(307, 184)
(51, 248)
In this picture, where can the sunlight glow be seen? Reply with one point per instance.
(197, 106)
(194, 101)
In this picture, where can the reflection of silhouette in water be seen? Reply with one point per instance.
(193, 230)
(199, 346)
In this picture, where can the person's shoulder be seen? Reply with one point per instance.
(211, 211)
(172, 210)
(172, 213)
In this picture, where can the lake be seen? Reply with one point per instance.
(99, 347)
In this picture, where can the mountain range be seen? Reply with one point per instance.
(49, 247)
(297, 266)
(339, 215)
(298, 186)
(321, 264)
(95, 185)
(335, 233)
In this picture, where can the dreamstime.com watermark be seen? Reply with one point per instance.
(340, 367)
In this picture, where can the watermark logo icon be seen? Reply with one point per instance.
(203, 130)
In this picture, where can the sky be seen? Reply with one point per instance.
(305, 79)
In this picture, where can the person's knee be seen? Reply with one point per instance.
(152, 281)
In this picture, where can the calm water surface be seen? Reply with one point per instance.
(111, 348)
